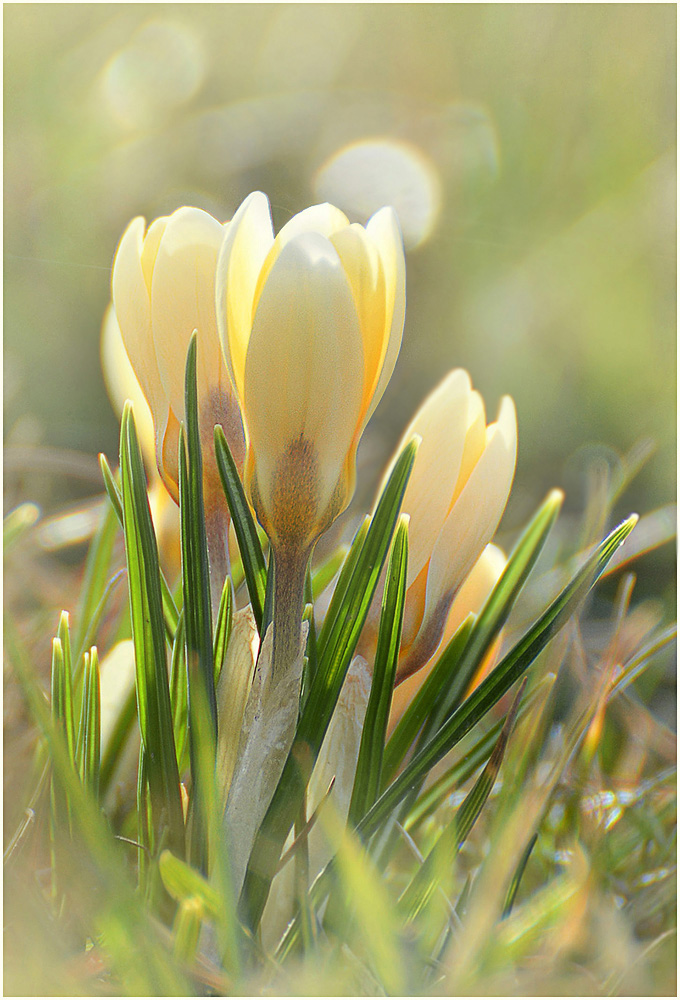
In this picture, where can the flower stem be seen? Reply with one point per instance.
(217, 536)
(290, 568)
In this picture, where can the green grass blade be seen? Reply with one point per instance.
(326, 571)
(198, 638)
(59, 802)
(367, 780)
(311, 655)
(334, 660)
(178, 695)
(423, 704)
(441, 857)
(89, 737)
(67, 706)
(195, 571)
(171, 614)
(504, 675)
(16, 523)
(146, 615)
(495, 612)
(96, 584)
(465, 767)
(183, 882)
(254, 566)
(517, 877)
(116, 908)
(346, 572)
(223, 627)
(111, 487)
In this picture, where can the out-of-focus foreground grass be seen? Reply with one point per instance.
(529, 150)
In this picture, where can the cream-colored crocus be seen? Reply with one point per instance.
(311, 323)
(122, 384)
(471, 597)
(163, 286)
(455, 497)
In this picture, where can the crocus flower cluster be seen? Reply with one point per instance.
(298, 334)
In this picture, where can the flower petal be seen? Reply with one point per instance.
(383, 229)
(183, 300)
(121, 383)
(248, 239)
(441, 422)
(474, 517)
(471, 597)
(364, 271)
(322, 219)
(304, 376)
(132, 302)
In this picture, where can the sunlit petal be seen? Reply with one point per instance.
(383, 229)
(474, 517)
(303, 382)
(182, 301)
(248, 239)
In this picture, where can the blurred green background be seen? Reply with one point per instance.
(529, 150)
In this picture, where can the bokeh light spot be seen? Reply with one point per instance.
(159, 70)
(364, 176)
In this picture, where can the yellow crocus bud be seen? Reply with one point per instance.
(471, 597)
(121, 384)
(311, 324)
(455, 497)
(163, 285)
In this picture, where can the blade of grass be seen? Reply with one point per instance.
(517, 877)
(198, 638)
(367, 779)
(501, 678)
(89, 737)
(423, 704)
(495, 612)
(254, 566)
(453, 836)
(96, 583)
(464, 768)
(346, 572)
(178, 694)
(67, 706)
(16, 523)
(170, 612)
(324, 573)
(223, 627)
(146, 614)
(131, 937)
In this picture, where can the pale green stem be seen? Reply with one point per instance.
(290, 568)
(217, 536)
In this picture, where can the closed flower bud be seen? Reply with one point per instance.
(311, 325)
(471, 597)
(163, 289)
(122, 384)
(455, 497)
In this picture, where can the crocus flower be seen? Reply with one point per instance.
(471, 597)
(163, 289)
(455, 498)
(311, 324)
(122, 384)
